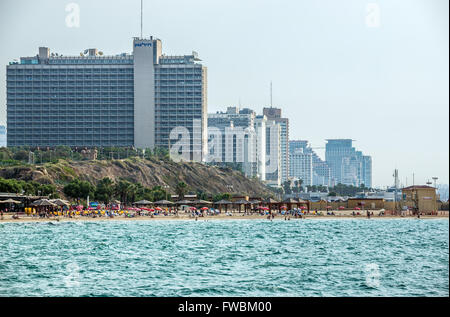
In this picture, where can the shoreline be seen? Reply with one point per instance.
(9, 219)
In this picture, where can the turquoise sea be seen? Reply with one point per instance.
(370, 257)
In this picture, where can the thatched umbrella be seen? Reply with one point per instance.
(60, 202)
(163, 202)
(143, 202)
(184, 202)
(201, 202)
(10, 201)
(43, 202)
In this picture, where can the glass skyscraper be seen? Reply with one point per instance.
(348, 166)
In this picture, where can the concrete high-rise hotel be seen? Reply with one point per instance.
(274, 114)
(94, 100)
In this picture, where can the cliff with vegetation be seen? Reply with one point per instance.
(199, 178)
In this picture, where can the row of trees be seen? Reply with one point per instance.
(346, 190)
(126, 192)
(27, 188)
(107, 190)
(340, 189)
(293, 187)
(20, 155)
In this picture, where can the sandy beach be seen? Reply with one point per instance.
(236, 216)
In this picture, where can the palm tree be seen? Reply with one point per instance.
(181, 189)
(122, 190)
(300, 182)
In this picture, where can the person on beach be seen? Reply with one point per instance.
(368, 214)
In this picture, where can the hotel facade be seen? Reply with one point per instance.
(93, 100)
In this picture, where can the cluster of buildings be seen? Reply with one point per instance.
(343, 164)
(147, 99)
(260, 145)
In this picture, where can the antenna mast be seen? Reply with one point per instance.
(270, 94)
(141, 17)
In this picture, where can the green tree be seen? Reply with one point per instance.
(77, 189)
(122, 190)
(181, 189)
(104, 190)
(287, 187)
(21, 155)
(158, 193)
(10, 186)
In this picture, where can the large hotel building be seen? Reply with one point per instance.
(93, 100)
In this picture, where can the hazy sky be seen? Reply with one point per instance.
(338, 71)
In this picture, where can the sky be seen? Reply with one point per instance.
(373, 71)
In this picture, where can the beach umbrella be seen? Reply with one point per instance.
(302, 207)
(192, 208)
(9, 201)
(204, 208)
(357, 208)
(163, 202)
(341, 207)
(158, 208)
(183, 202)
(201, 202)
(223, 202)
(283, 207)
(241, 202)
(43, 202)
(143, 202)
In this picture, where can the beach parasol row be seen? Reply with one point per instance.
(9, 201)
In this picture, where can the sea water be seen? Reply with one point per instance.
(302, 257)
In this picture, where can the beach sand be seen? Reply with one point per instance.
(236, 216)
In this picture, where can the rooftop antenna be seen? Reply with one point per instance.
(270, 94)
(141, 16)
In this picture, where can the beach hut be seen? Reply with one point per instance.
(222, 202)
(270, 202)
(241, 202)
(304, 203)
(44, 204)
